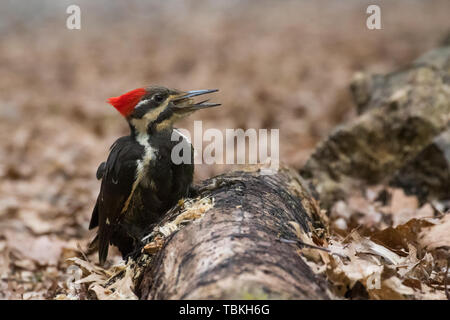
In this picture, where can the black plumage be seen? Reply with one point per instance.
(165, 184)
(139, 179)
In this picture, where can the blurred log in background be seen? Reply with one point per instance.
(278, 64)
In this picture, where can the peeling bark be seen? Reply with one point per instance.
(234, 250)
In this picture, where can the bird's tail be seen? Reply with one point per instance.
(97, 245)
(103, 245)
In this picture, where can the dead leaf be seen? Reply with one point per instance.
(399, 237)
(45, 250)
(364, 245)
(437, 237)
(403, 207)
(154, 246)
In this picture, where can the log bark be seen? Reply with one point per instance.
(235, 250)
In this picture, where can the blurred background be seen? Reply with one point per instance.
(278, 64)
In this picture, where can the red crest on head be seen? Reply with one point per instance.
(126, 102)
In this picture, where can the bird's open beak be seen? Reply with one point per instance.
(185, 103)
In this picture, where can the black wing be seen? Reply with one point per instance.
(117, 182)
(100, 170)
(94, 218)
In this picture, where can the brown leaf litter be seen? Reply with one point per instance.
(385, 259)
(117, 281)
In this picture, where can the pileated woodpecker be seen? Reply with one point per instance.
(140, 182)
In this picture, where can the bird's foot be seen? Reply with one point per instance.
(135, 254)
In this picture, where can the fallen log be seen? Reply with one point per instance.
(232, 246)
(428, 175)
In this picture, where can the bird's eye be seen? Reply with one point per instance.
(158, 98)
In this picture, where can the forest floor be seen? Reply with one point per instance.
(285, 66)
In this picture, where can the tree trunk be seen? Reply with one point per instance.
(235, 248)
